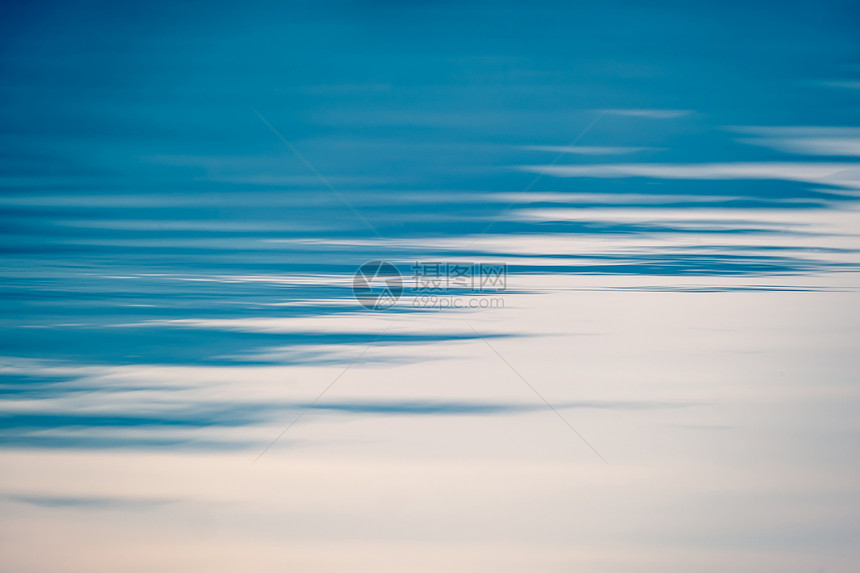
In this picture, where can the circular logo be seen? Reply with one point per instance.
(377, 285)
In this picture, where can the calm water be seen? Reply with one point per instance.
(664, 380)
